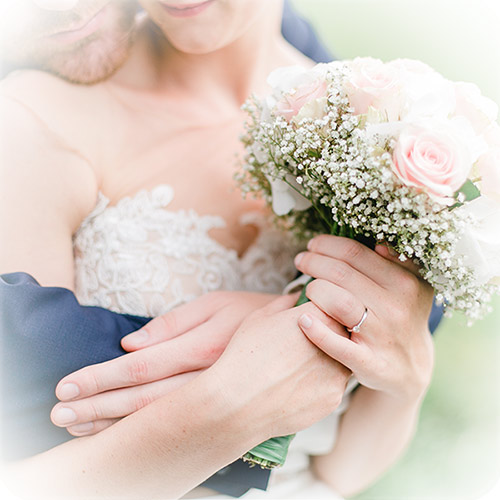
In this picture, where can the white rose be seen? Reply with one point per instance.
(285, 198)
(480, 244)
(478, 109)
(288, 78)
(488, 167)
(428, 93)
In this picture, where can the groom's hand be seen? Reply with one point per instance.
(170, 350)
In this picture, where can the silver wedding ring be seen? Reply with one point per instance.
(356, 328)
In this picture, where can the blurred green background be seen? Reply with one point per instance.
(456, 451)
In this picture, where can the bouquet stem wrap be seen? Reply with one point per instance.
(272, 453)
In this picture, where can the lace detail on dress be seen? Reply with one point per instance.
(138, 258)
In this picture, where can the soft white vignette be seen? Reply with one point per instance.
(429, 30)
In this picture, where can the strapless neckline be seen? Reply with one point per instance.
(159, 197)
(138, 257)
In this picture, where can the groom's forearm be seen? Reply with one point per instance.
(45, 334)
(161, 451)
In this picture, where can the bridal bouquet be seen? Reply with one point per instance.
(384, 152)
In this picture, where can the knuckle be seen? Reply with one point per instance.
(91, 382)
(408, 283)
(142, 400)
(400, 314)
(345, 305)
(138, 371)
(94, 412)
(209, 353)
(339, 272)
(352, 250)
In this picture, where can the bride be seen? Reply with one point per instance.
(134, 211)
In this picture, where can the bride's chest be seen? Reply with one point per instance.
(139, 257)
(198, 161)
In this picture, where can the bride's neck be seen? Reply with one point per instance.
(235, 70)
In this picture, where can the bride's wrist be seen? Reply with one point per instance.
(410, 395)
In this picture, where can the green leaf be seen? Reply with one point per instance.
(469, 190)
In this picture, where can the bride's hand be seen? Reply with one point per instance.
(393, 350)
(170, 350)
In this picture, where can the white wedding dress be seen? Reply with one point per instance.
(137, 257)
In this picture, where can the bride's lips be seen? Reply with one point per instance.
(78, 33)
(186, 10)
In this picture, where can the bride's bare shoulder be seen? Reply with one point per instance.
(56, 102)
(290, 56)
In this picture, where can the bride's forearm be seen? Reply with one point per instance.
(373, 433)
(161, 451)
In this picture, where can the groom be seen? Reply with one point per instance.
(45, 333)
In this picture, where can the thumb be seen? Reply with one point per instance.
(389, 254)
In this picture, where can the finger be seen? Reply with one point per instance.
(189, 352)
(341, 274)
(281, 303)
(336, 302)
(172, 324)
(342, 349)
(90, 428)
(391, 255)
(115, 404)
(357, 255)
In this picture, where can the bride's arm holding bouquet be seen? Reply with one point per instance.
(391, 355)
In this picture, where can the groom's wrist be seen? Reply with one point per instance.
(227, 414)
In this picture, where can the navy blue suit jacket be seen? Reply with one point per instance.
(45, 334)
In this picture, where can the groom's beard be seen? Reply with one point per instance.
(90, 60)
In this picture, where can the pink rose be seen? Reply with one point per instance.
(374, 84)
(292, 102)
(432, 161)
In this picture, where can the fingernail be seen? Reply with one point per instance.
(309, 244)
(305, 320)
(68, 391)
(137, 338)
(298, 258)
(392, 252)
(83, 428)
(63, 416)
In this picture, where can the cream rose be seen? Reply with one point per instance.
(427, 93)
(478, 109)
(312, 94)
(480, 244)
(431, 160)
(488, 167)
(374, 84)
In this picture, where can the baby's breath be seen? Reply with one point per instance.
(348, 176)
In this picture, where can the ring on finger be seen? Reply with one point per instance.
(356, 328)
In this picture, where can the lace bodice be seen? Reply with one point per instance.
(137, 257)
